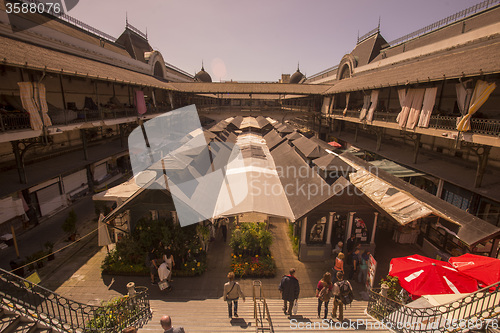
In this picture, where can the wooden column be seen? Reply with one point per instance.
(375, 218)
(303, 232)
(329, 229)
(349, 226)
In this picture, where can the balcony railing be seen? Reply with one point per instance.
(474, 311)
(21, 120)
(478, 126)
(40, 304)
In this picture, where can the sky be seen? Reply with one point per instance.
(259, 40)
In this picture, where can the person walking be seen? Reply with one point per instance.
(232, 292)
(339, 264)
(342, 295)
(166, 324)
(324, 292)
(363, 267)
(289, 288)
(355, 261)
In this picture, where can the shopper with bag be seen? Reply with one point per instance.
(324, 292)
(232, 292)
(289, 289)
(342, 295)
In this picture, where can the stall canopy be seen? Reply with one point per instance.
(308, 148)
(395, 169)
(401, 206)
(415, 202)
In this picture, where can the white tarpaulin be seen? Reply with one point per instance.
(103, 233)
(401, 206)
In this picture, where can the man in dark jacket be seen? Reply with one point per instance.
(289, 289)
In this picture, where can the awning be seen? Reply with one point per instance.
(401, 206)
(395, 169)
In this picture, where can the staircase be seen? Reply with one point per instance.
(476, 312)
(12, 321)
(27, 307)
(210, 315)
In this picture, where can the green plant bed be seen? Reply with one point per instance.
(129, 257)
(293, 239)
(253, 266)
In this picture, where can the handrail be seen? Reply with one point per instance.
(264, 314)
(478, 125)
(74, 21)
(450, 19)
(472, 311)
(368, 34)
(43, 305)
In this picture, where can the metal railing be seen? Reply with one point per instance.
(478, 125)
(51, 10)
(263, 322)
(45, 306)
(450, 19)
(474, 311)
(137, 31)
(21, 120)
(368, 34)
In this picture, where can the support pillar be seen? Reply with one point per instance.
(482, 160)
(19, 163)
(417, 148)
(349, 226)
(303, 231)
(63, 99)
(83, 135)
(329, 229)
(439, 191)
(379, 139)
(494, 248)
(375, 219)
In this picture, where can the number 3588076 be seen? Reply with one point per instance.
(33, 8)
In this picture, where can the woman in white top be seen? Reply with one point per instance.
(168, 258)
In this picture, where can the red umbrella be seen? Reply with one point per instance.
(420, 275)
(335, 144)
(484, 269)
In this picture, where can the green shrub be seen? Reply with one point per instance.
(293, 239)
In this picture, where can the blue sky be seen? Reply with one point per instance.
(259, 40)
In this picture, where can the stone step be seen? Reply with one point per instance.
(211, 315)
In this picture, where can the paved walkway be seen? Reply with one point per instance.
(78, 277)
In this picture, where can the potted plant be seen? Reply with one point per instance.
(69, 225)
(49, 246)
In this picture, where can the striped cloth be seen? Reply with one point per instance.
(34, 101)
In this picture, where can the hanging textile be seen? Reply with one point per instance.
(140, 103)
(326, 105)
(373, 105)
(481, 93)
(416, 106)
(332, 104)
(405, 110)
(464, 93)
(366, 105)
(346, 103)
(429, 101)
(171, 98)
(401, 95)
(33, 99)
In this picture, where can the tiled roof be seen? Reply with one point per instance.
(17, 53)
(474, 59)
